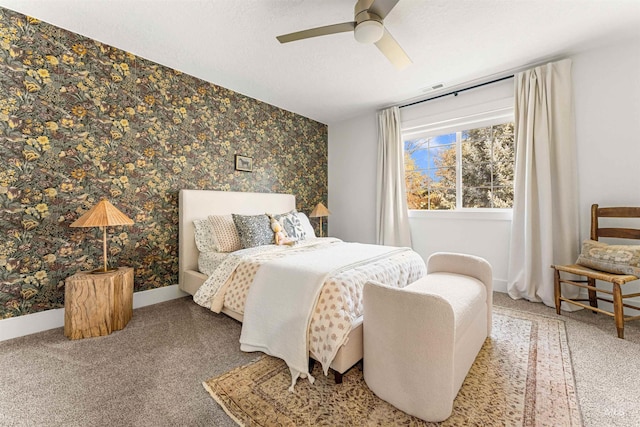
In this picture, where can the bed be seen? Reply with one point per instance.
(198, 204)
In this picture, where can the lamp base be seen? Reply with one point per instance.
(103, 271)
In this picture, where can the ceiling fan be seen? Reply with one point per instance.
(368, 27)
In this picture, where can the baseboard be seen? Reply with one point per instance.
(500, 286)
(158, 295)
(14, 327)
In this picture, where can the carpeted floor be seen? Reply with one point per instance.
(151, 372)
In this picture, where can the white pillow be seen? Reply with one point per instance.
(306, 225)
(204, 235)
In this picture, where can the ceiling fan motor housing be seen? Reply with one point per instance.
(369, 27)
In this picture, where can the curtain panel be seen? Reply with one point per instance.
(392, 217)
(545, 227)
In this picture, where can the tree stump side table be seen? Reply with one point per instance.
(96, 304)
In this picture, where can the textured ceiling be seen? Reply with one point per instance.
(232, 43)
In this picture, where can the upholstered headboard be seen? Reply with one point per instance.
(196, 204)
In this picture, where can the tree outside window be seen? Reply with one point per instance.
(471, 168)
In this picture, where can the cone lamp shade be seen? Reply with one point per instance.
(320, 211)
(103, 214)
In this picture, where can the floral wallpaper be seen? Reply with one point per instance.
(80, 120)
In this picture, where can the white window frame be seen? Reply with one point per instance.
(477, 116)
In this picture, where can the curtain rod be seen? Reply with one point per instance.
(455, 92)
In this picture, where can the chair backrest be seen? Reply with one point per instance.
(614, 212)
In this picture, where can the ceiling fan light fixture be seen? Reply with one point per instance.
(369, 31)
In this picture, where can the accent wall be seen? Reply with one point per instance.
(80, 120)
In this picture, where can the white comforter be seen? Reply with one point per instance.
(283, 295)
(339, 303)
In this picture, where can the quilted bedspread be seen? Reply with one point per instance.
(340, 302)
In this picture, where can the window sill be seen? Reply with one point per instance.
(465, 214)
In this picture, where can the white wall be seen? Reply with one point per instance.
(484, 235)
(353, 153)
(607, 96)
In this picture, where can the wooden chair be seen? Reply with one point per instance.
(617, 280)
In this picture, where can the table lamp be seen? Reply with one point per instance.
(103, 215)
(320, 211)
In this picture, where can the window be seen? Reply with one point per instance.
(460, 164)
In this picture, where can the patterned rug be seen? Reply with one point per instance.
(521, 377)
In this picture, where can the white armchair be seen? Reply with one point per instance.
(420, 341)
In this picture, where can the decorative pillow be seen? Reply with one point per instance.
(254, 230)
(209, 261)
(619, 259)
(204, 235)
(291, 225)
(306, 225)
(225, 233)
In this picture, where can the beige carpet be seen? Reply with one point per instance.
(522, 377)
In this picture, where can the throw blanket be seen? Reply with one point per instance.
(283, 295)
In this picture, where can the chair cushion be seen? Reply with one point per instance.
(465, 294)
(619, 259)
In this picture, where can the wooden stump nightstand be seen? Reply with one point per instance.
(97, 304)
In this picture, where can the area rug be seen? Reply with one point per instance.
(521, 377)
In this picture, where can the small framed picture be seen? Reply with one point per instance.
(244, 163)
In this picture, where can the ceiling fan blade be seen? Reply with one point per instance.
(315, 32)
(392, 50)
(382, 7)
